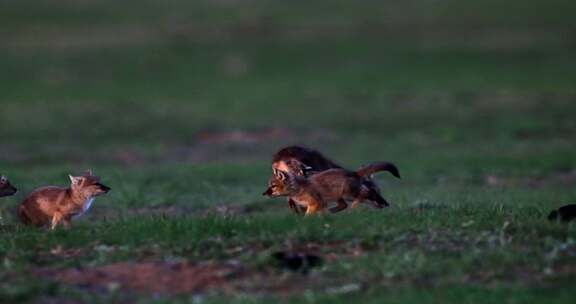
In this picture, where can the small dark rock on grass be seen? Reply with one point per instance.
(565, 213)
(295, 261)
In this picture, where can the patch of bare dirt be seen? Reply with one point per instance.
(60, 252)
(287, 272)
(154, 277)
(334, 251)
(163, 278)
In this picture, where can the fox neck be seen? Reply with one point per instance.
(297, 185)
(82, 201)
(77, 197)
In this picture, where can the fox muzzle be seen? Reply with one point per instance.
(268, 192)
(104, 188)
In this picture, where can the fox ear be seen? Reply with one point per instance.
(304, 169)
(282, 175)
(296, 166)
(75, 180)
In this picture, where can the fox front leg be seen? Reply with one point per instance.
(292, 205)
(56, 218)
(310, 210)
(314, 208)
(377, 200)
(295, 207)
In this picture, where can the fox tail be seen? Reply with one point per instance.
(372, 168)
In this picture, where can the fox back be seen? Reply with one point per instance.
(334, 184)
(329, 184)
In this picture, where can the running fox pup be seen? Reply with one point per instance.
(305, 162)
(50, 206)
(339, 185)
(6, 189)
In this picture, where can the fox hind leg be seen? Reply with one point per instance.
(356, 202)
(341, 206)
(315, 206)
(311, 210)
(377, 200)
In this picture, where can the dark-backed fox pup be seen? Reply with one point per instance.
(303, 161)
(6, 189)
(50, 206)
(333, 185)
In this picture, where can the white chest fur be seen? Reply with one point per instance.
(85, 207)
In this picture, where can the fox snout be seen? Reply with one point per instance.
(104, 188)
(268, 192)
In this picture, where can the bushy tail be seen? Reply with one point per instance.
(377, 167)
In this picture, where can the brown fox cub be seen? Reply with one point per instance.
(50, 206)
(339, 185)
(6, 189)
(303, 161)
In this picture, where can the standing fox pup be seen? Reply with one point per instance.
(6, 189)
(54, 205)
(339, 185)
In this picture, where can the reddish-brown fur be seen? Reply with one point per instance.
(303, 161)
(333, 185)
(51, 205)
(300, 161)
(299, 191)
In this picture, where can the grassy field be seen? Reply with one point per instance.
(179, 105)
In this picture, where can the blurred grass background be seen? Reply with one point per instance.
(446, 84)
(475, 93)
(180, 104)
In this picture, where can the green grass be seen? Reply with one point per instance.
(474, 102)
